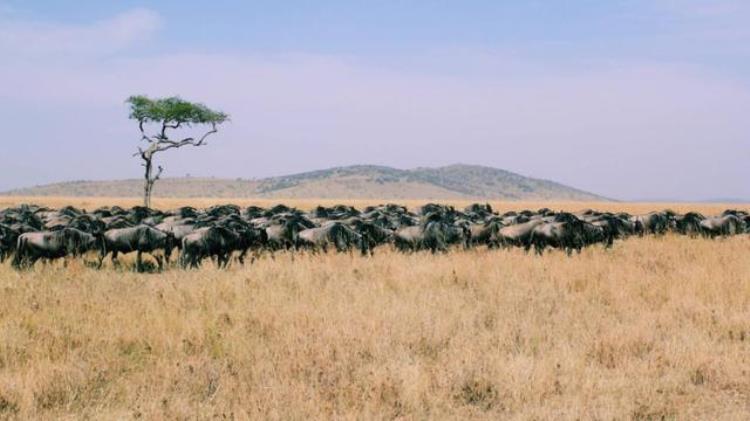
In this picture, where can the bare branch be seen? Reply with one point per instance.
(158, 174)
(144, 136)
(210, 132)
(164, 144)
(165, 126)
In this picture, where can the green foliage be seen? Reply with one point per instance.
(173, 111)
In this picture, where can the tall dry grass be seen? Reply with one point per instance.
(656, 328)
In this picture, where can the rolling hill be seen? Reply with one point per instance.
(356, 182)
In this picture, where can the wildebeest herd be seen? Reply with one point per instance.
(227, 233)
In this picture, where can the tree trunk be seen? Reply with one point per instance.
(149, 178)
(148, 184)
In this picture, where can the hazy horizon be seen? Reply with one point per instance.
(627, 99)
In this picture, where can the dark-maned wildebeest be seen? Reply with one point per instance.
(372, 233)
(52, 245)
(612, 228)
(458, 233)
(283, 234)
(254, 239)
(8, 241)
(140, 239)
(568, 236)
(485, 234)
(333, 234)
(518, 235)
(722, 226)
(88, 223)
(430, 236)
(215, 242)
(593, 234)
(178, 228)
(652, 223)
(689, 223)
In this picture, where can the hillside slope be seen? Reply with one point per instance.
(356, 182)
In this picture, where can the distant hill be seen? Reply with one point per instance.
(355, 182)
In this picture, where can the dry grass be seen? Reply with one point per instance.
(657, 328)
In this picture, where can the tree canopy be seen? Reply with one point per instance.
(172, 111)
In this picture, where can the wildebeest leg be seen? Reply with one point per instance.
(102, 255)
(115, 260)
(191, 260)
(139, 261)
(31, 261)
(17, 260)
(159, 261)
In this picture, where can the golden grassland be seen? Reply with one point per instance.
(656, 328)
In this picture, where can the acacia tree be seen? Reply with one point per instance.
(168, 114)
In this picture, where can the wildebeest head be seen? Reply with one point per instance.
(78, 242)
(375, 234)
(688, 223)
(251, 237)
(170, 242)
(566, 217)
(590, 233)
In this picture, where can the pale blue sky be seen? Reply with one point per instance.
(644, 99)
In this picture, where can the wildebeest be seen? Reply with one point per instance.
(283, 234)
(334, 234)
(52, 245)
(568, 236)
(652, 223)
(689, 224)
(8, 240)
(518, 234)
(722, 226)
(372, 233)
(485, 234)
(179, 228)
(612, 227)
(227, 230)
(429, 236)
(140, 239)
(216, 242)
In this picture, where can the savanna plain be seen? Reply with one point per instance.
(654, 328)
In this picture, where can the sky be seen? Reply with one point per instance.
(630, 99)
